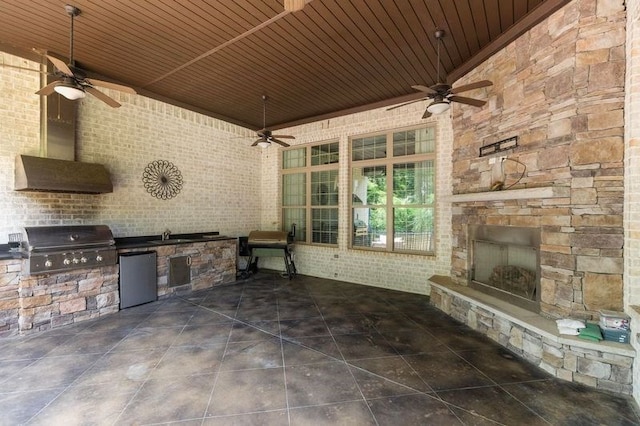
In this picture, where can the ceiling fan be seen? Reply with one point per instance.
(443, 94)
(74, 83)
(265, 136)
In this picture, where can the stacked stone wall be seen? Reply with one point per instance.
(560, 89)
(9, 303)
(602, 366)
(53, 300)
(211, 263)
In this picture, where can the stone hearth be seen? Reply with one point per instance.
(602, 365)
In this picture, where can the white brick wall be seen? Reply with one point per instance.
(395, 271)
(19, 132)
(219, 192)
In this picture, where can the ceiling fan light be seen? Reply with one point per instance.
(438, 107)
(264, 144)
(70, 91)
(294, 5)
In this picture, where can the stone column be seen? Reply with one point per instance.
(632, 182)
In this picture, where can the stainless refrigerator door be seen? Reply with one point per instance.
(138, 282)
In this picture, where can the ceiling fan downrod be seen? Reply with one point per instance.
(264, 111)
(439, 35)
(72, 11)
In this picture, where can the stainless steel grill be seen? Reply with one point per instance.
(63, 248)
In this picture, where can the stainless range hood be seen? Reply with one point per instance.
(52, 175)
(55, 170)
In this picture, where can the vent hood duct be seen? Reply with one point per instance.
(55, 170)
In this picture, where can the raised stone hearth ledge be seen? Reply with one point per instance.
(602, 365)
(512, 194)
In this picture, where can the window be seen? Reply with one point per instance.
(310, 192)
(393, 192)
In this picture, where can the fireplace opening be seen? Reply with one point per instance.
(505, 263)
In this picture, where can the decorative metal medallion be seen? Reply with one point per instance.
(162, 179)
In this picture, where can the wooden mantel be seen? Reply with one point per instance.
(511, 194)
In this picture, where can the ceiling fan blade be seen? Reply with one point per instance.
(104, 98)
(426, 114)
(476, 85)
(258, 141)
(64, 68)
(425, 89)
(283, 136)
(48, 89)
(109, 85)
(468, 101)
(279, 142)
(406, 103)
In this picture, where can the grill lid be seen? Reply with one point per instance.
(269, 239)
(41, 238)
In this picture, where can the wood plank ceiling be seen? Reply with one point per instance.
(219, 57)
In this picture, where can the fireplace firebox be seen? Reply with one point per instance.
(505, 263)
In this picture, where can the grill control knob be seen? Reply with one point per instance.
(67, 261)
(83, 259)
(48, 263)
(98, 258)
(76, 260)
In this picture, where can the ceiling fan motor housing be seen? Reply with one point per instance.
(441, 88)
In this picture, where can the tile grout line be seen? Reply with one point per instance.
(284, 365)
(348, 364)
(145, 381)
(226, 346)
(67, 387)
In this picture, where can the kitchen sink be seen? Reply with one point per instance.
(174, 240)
(194, 239)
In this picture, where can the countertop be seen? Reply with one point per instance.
(139, 242)
(6, 253)
(156, 240)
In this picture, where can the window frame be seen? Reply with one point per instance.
(388, 162)
(309, 169)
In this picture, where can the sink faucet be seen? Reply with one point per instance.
(165, 234)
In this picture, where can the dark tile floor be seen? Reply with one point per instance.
(273, 351)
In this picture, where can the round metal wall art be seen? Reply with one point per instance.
(162, 179)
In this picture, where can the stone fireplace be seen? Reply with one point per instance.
(579, 267)
(560, 89)
(567, 176)
(505, 263)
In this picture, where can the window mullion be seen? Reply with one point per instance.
(389, 170)
(390, 230)
(409, 217)
(308, 206)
